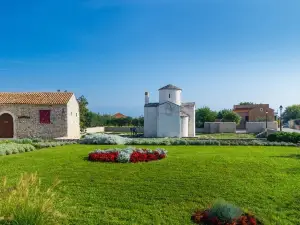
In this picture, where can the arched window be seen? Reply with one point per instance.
(169, 95)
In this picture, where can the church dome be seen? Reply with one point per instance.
(170, 87)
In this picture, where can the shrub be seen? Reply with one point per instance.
(284, 137)
(26, 202)
(13, 148)
(104, 139)
(40, 145)
(223, 213)
(114, 139)
(22, 141)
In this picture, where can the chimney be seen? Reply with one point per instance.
(146, 97)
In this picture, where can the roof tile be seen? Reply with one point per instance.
(35, 98)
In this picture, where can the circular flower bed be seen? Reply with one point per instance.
(132, 155)
(222, 213)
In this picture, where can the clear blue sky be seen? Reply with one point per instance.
(220, 52)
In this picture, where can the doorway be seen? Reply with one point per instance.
(6, 126)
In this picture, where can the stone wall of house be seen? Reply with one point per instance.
(27, 120)
(259, 113)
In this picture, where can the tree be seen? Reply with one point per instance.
(230, 116)
(291, 113)
(83, 112)
(221, 113)
(247, 103)
(205, 114)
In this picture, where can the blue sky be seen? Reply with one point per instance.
(220, 52)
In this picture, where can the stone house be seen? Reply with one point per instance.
(39, 114)
(253, 113)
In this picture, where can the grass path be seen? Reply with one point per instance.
(167, 191)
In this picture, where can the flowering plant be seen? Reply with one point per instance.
(127, 155)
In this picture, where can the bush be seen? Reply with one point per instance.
(50, 144)
(98, 139)
(13, 148)
(117, 140)
(284, 137)
(26, 203)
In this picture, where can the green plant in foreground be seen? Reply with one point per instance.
(224, 211)
(26, 203)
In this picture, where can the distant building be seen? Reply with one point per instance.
(119, 115)
(253, 113)
(169, 117)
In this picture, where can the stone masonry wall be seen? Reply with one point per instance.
(31, 127)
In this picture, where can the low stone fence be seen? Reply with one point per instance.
(257, 127)
(219, 127)
(199, 130)
(95, 130)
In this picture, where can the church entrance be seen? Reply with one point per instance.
(6, 126)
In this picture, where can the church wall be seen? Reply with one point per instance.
(190, 110)
(150, 121)
(170, 95)
(184, 126)
(169, 123)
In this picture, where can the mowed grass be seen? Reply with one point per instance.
(225, 136)
(265, 180)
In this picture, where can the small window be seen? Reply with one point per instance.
(71, 113)
(261, 109)
(76, 114)
(45, 116)
(169, 95)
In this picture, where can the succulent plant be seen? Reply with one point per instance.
(225, 212)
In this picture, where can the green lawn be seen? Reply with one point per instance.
(225, 136)
(265, 180)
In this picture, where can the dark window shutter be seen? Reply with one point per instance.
(45, 116)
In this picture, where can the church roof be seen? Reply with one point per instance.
(152, 104)
(170, 86)
(188, 104)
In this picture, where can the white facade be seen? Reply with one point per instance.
(169, 117)
(170, 95)
(73, 119)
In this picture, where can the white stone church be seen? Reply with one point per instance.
(169, 117)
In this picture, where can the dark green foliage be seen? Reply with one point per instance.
(83, 112)
(221, 113)
(247, 103)
(230, 116)
(291, 113)
(225, 212)
(284, 137)
(203, 115)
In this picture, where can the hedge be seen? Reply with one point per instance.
(284, 137)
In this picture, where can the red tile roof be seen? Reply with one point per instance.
(119, 115)
(35, 98)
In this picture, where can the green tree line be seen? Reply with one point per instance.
(92, 119)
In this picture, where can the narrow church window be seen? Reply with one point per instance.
(169, 95)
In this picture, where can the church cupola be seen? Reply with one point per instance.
(170, 93)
